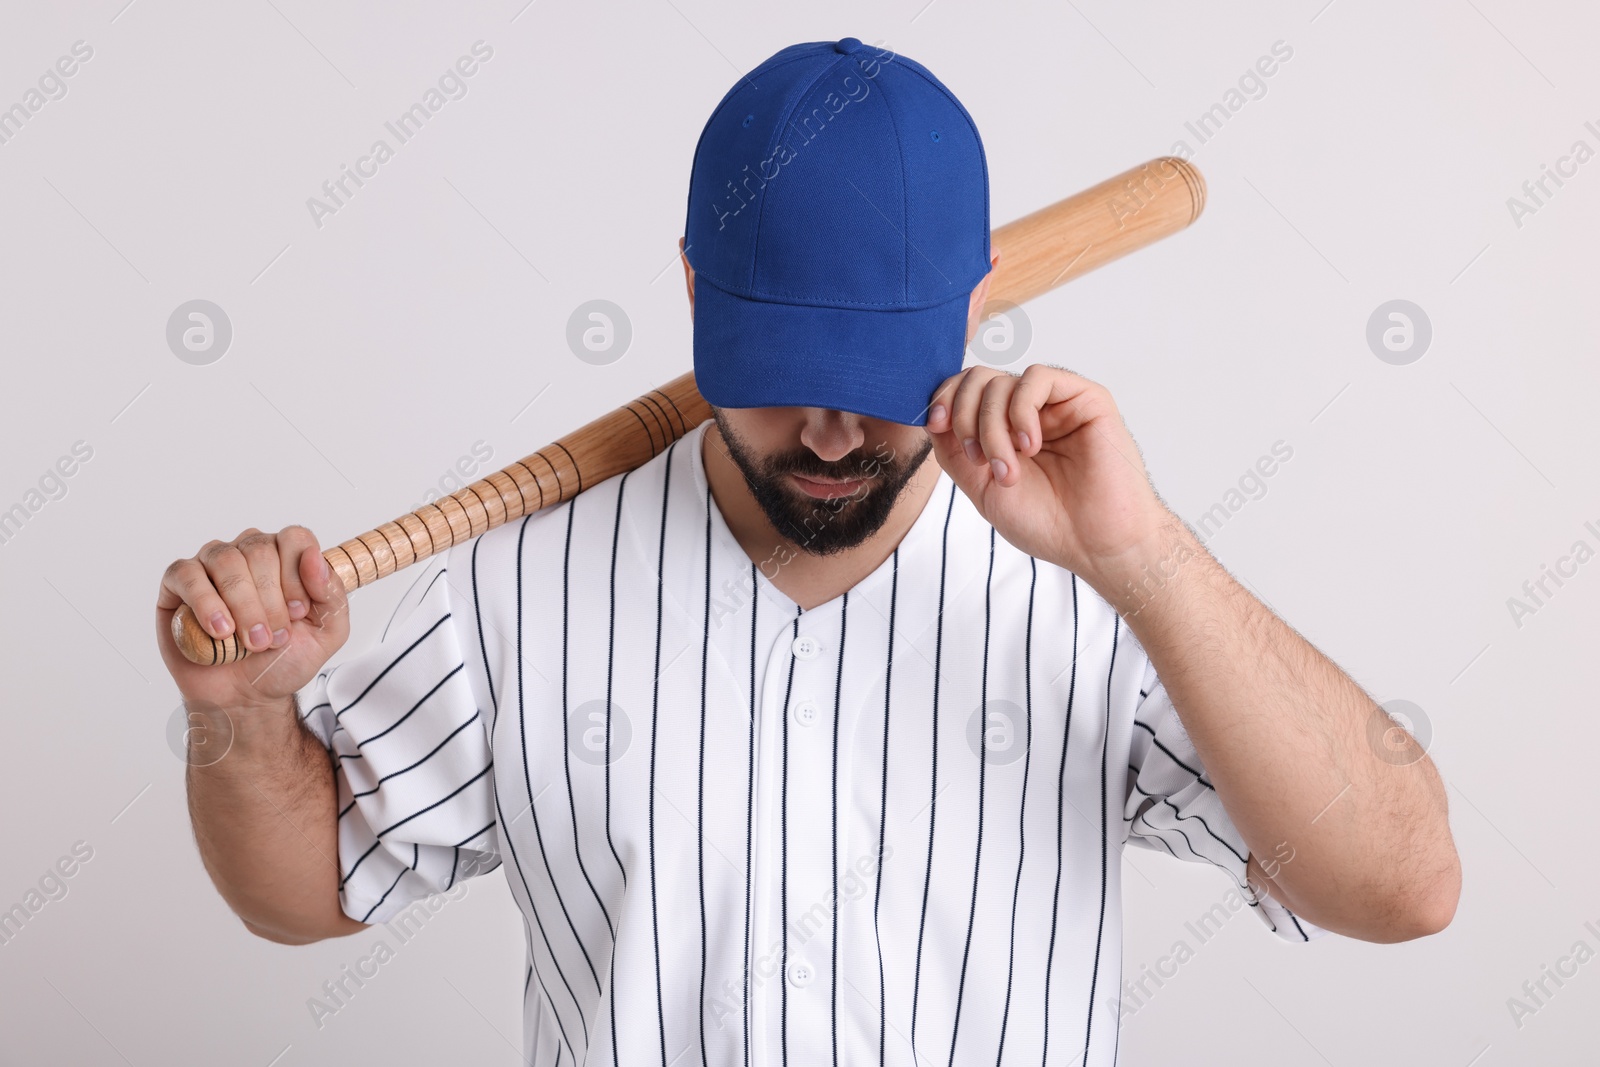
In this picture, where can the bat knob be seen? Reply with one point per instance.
(199, 647)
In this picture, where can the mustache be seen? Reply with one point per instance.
(806, 466)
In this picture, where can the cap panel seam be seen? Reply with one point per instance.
(727, 98)
(983, 157)
(794, 106)
(765, 68)
(905, 201)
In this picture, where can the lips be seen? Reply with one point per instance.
(824, 490)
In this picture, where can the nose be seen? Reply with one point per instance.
(831, 434)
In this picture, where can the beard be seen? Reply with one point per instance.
(824, 527)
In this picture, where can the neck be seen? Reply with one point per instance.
(807, 579)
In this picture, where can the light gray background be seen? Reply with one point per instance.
(430, 313)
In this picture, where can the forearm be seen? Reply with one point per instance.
(265, 821)
(1287, 740)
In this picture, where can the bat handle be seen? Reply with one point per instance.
(617, 441)
(198, 646)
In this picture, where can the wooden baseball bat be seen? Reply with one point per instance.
(1039, 252)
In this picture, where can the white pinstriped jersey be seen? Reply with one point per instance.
(744, 833)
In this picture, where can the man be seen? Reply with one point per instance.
(795, 746)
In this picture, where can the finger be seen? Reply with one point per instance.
(230, 574)
(186, 582)
(292, 542)
(266, 570)
(994, 429)
(938, 421)
(1075, 381)
(1032, 394)
(1071, 403)
(964, 412)
(946, 449)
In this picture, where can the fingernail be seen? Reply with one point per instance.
(297, 608)
(258, 635)
(972, 450)
(219, 624)
(1022, 435)
(322, 567)
(279, 637)
(936, 413)
(999, 466)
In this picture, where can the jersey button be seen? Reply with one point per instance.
(804, 647)
(800, 974)
(805, 713)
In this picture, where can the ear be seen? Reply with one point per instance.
(688, 276)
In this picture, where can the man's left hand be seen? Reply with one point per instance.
(1048, 462)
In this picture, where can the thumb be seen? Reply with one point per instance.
(329, 614)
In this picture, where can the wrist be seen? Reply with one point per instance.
(1132, 580)
(214, 732)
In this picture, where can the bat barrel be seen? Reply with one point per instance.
(1072, 237)
(1038, 252)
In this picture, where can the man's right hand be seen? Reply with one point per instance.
(277, 593)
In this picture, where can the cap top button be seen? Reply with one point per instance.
(848, 45)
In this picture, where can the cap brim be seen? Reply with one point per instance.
(882, 364)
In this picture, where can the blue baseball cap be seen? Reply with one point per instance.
(838, 222)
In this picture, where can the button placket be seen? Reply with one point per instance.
(808, 935)
(801, 678)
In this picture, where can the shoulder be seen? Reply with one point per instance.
(584, 522)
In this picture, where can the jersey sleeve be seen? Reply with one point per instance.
(406, 728)
(1173, 808)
